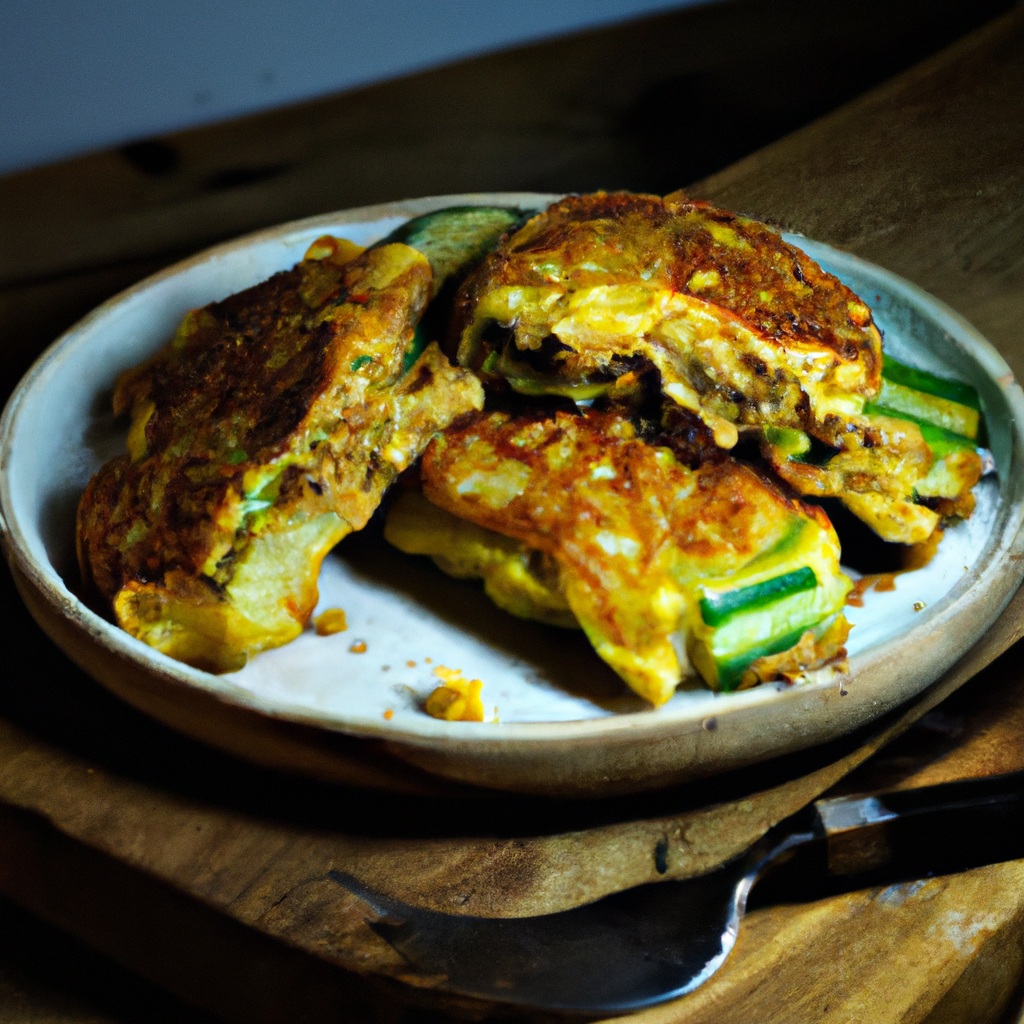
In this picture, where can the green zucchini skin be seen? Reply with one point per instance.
(752, 609)
(922, 380)
(793, 443)
(918, 405)
(730, 671)
(798, 446)
(944, 442)
(716, 609)
(457, 237)
(940, 440)
(771, 623)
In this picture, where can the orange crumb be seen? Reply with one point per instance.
(458, 700)
(388, 715)
(879, 582)
(359, 647)
(429, 661)
(411, 664)
(331, 621)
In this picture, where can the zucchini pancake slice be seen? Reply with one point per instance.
(264, 432)
(922, 432)
(668, 567)
(743, 329)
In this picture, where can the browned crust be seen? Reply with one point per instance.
(728, 493)
(265, 372)
(768, 284)
(807, 655)
(727, 513)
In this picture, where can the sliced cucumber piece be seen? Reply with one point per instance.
(773, 629)
(716, 609)
(944, 442)
(730, 670)
(953, 416)
(939, 439)
(415, 350)
(922, 380)
(455, 238)
(526, 380)
(582, 392)
(791, 443)
(772, 622)
(796, 446)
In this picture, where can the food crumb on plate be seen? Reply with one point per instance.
(411, 664)
(458, 700)
(359, 647)
(331, 621)
(388, 715)
(919, 606)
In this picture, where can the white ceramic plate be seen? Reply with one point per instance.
(565, 724)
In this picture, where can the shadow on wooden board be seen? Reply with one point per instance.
(233, 973)
(47, 976)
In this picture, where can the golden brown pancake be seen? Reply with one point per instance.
(745, 331)
(744, 328)
(638, 540)
(261, 435)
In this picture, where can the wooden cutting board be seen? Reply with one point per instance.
(211, 877)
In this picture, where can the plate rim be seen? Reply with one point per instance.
(1006, 534)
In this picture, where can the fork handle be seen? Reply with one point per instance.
(932, 830)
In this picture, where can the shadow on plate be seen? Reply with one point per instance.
(561, 658)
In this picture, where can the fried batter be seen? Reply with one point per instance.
(641, 541)
(261, 435)
(524, 582)
(745, 330)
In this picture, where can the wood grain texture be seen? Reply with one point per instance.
(211, 878)
(108, 856)
(649, 105)
(600, 109)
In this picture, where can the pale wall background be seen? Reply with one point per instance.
(79, 75)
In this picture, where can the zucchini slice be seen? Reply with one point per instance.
(458, 237)
(717, 609)
(948, 411)
(929, 384)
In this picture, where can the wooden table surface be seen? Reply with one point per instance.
(210, 877)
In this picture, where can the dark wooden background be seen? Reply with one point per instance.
(649, 106)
